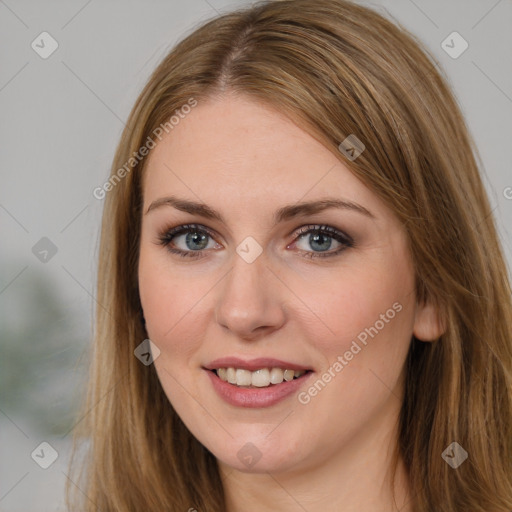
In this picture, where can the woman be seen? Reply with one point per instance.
(296, 220)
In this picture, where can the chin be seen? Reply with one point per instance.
(258, 457)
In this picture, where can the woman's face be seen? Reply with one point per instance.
(257, 282)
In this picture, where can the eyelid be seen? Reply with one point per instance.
(183, 228)
(323, 228)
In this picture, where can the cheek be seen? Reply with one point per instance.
(364, 314)
(168, 301)
(363, 331)
(179, 313)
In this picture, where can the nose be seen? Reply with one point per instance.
(250, 303)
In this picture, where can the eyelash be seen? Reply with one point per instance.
(168, 235)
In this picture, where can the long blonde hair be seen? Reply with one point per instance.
(337, 69)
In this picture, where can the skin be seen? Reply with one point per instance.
(246, 160)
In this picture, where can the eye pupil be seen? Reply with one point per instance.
(196, 237)
(313, 239)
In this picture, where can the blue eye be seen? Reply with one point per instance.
(321, 237)
(197, 238)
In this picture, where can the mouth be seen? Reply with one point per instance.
(259, 388)
(261, 378)
(256, 383)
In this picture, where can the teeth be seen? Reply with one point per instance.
(276, 376)
(288, 375)
(243, 378)
(230, 375)
(260, 378)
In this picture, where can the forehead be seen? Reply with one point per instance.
(235, 152)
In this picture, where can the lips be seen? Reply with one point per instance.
(254, 364)
(268, 389)
(255, 397)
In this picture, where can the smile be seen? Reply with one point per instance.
(261, 378)
(250, 396)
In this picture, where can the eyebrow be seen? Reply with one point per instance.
(282, 214)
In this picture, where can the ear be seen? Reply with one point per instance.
(428, 324)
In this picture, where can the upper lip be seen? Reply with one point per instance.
(253, 364)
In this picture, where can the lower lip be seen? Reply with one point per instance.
(256, 397)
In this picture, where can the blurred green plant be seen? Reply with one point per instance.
(43, 352)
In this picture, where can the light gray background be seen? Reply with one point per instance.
(61, 119)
